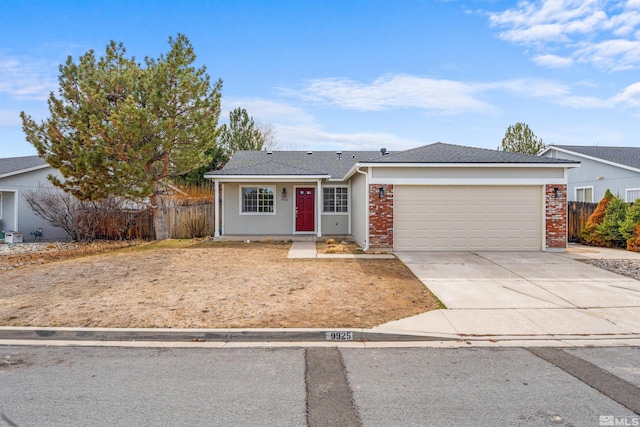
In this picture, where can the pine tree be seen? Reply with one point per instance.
(118, 128)
(520, 139)
(609, 229)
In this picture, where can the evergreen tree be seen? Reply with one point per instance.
(240, 134)
(118, 128)
(628, 225)
(609, 229)
(519, 138)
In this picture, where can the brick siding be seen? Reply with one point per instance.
(556, 216)
(380, 216)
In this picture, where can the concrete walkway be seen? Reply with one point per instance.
(308, 250)
(302, 250)
(524, 294)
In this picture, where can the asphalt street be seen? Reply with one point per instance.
(80, 386)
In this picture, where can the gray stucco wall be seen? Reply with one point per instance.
(359, 206)
(13, 189)
(334, 224)
(613, 178)
(283, 221)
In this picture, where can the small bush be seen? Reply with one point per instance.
(629, 224)
(589, 234)
(609, 228)
(633, 243)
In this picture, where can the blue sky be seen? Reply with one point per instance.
(359, 75)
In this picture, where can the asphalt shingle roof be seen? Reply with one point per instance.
(329, 163)
(448, 153)
(628, 156)
(15, 164)
(293, 163)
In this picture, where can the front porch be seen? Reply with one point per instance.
(282, 237)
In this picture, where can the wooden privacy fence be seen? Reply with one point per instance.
(185, 222)
(182, 222)
(578, 214)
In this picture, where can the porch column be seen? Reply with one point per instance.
(216, 209)
(319, 207)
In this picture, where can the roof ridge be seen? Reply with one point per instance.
(593, 146)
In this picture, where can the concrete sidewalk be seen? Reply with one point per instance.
(524, 294)
(303, 250)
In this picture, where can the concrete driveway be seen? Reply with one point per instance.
(523, 293)
(519, 280)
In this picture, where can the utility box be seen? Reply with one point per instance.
(12, 237)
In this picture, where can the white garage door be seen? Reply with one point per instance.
(458, 218)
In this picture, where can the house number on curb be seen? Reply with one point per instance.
(339, 336)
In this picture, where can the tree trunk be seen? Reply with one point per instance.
(159, 225)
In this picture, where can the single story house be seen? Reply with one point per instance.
(17, 176)
(601, 168)
(432, 198)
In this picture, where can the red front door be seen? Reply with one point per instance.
(305, 209)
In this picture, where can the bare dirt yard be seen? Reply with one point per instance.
(202, 284)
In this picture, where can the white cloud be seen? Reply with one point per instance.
(25, 78)
(625, 24)
(549, 91)
(10, 118)
(633, 4)
(264, 110)
(553, 61)
(604, 33)
(629, 97)
(613, 55)
(398, 91)
(296, 128)
(305, 138)
(444, 97)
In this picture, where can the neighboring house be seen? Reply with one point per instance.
(430, 198)
(18, 175)
(601, 168)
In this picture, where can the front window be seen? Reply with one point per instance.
(630, 195)
(335, 199)
(584, 194)
(258, 200)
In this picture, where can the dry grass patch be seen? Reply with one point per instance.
(189, 284)
(331, 246)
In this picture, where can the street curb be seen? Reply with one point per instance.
(213, 335)
(10, 335)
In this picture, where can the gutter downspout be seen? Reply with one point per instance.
(366, 204)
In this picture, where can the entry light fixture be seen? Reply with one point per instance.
(381, 192)
(284, 193)
(555, 192)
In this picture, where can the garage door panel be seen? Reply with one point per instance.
(467, 218)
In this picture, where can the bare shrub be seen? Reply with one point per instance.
(81, 220)
(57, 208)
(195, 227)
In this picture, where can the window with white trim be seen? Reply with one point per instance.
(630, 194)
(257, 200)
(335, 199)
(584, 194)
